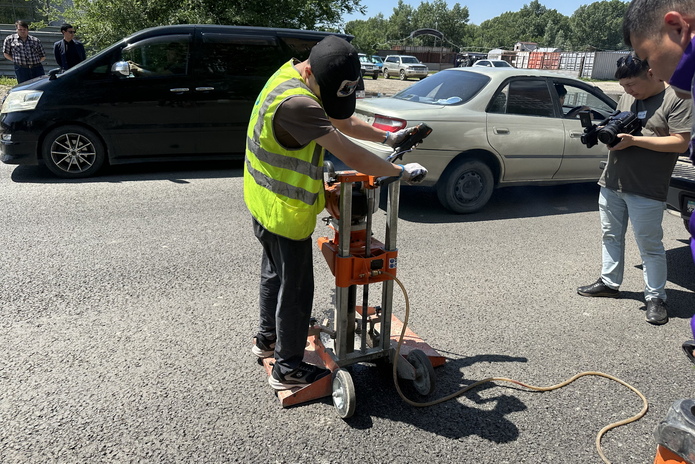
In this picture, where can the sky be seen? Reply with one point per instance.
(478, 10)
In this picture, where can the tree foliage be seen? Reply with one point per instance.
(395, 30)
(25, 10)
(593, 26)
(103, 22)
(597, 26)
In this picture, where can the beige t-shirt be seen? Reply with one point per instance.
(645, 172)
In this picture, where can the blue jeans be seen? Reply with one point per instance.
(645, 215)
(24, 74)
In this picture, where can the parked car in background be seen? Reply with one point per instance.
(131, 103)
(404, 66)
(494, 128)
(493, 63)
(378, 61)
(367, 67)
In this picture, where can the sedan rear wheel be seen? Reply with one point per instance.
(466, 186)
(73, 152)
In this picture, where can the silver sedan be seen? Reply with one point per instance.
(495, 127)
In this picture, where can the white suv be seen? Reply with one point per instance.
(404, 66)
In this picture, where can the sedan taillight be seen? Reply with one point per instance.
(388, 124)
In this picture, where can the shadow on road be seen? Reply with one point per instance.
(377, 397)
(420, 204)
(174, 172)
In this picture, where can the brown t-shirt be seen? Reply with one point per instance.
(646, 172)
(299, 120)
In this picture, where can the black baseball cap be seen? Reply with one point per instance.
(336, 66)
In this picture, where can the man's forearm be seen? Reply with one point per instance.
(674, 143)
(358, 129)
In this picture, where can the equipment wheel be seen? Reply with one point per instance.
(466, 186)
(424, 372)
(403, 76)
(73, 152)
(344, 398)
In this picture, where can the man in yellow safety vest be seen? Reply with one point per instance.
(304, 108)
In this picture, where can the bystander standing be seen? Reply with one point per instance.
(25, 51)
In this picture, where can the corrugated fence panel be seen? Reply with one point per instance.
(47, 36)
(581, 62)
(605, 64)
(521, 60)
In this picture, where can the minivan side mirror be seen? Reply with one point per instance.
(121, 68)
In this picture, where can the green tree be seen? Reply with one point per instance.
(597, 26)
(26, 10)
(452, 23)
(529, 24)
(103, 22)
(370, 34)
(400, 23)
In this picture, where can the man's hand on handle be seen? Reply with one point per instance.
(412, 173)
(393, 139)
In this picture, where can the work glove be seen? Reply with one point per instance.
(393, 139)
(412, 173)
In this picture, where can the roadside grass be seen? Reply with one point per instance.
(11, 81)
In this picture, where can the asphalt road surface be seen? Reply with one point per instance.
(128, 304)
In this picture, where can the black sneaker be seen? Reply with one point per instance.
(263, 348)
(656, 311)
(598, 288)
(303, 375)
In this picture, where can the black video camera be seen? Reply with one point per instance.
(620, 122)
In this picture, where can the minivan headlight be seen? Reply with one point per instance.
(21, 100)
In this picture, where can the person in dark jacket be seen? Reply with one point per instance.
(68, 51)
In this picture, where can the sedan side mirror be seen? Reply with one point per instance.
(121, 68)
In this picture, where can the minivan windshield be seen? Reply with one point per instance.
(445, 88)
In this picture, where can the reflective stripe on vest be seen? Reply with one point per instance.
(283, 188)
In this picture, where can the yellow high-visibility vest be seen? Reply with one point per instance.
(283, 188)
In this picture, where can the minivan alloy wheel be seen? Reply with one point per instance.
(73, 152)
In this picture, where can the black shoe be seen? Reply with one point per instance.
(656, 311)
(303, 375)
(598, 289)
(263, 348)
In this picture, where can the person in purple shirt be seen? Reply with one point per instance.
(662, 32)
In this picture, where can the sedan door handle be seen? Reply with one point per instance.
(500, 130)
(204, 89)
(179, 90)
(575, 134)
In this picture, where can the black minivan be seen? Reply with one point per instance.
(167, 93)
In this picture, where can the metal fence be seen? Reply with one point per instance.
(48, 37)
(591, 65)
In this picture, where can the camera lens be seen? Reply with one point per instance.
(608, 134)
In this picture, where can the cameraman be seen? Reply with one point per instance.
(635, 182)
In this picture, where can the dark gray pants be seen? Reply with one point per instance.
(286, 295)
